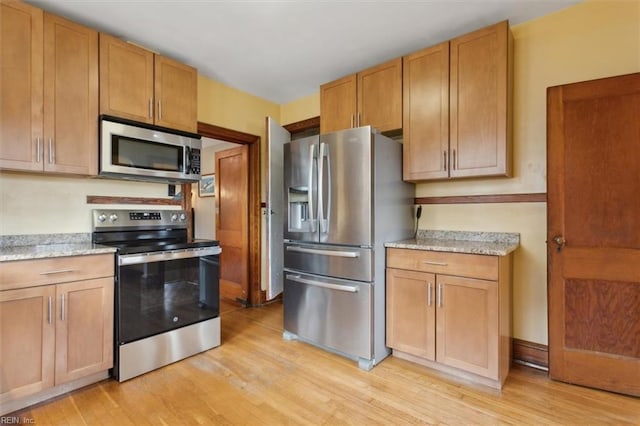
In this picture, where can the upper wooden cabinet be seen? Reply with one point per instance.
(49, 92)
(142, 86)
(426, 114)
(371, 97)
(476, 80)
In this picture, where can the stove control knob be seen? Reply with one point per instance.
(113, 217)
(174, 217)
(183, 217)
(102, 217)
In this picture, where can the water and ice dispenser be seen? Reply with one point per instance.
(298, 202)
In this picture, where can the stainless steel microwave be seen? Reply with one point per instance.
(136, 151)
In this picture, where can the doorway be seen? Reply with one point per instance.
(251, 143)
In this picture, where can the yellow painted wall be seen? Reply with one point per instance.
(233, 109)
(300, 109)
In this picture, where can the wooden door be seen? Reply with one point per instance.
(84, 328)
(176, 94)
(467, 328)
(380, 96)
(232, 230)
(27, 341)
(593, 236)
(126, 80)
(70, 97)
(425, 149)
(480, 135)
(411, 314)
(338, 104)
(21, 73)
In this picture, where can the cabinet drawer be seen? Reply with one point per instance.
(36, 272)
(460, 264)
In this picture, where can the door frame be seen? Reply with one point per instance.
(256, 295)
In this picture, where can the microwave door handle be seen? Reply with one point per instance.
(187, 161)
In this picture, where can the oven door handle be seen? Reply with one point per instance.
(159, 256)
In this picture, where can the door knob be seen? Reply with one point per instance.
(560, 241)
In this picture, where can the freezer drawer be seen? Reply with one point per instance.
(332, 313)
(352, 263)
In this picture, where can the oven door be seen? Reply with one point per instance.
(159, 292)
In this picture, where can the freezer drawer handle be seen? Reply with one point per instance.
(333, 253)
(338, 287)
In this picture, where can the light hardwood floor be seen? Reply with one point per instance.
(257, 378)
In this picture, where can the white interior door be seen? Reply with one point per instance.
(273, 213)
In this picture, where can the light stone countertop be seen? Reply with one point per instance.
(485, 243)
(40, 246)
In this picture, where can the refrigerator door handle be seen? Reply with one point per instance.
(324, 221)
(334, 253)
(299, 279)
(310, 188)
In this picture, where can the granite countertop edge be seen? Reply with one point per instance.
(483, 243)
(42, 246)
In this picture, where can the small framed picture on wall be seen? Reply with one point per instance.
(207, 187)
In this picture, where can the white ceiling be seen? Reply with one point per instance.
(283, 50)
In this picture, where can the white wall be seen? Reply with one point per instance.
(39, 204)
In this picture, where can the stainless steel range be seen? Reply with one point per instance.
(167, 288)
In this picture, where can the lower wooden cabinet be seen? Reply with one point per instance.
(458, 324)
(28, 341)
(54, 334)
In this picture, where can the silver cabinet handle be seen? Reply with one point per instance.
(445, 160)
(352, 120)
(329, 286)
(38, 149)
(358, 120)
(430, 262)
(159, 109)
(50, 312)
(455, 166)
(150, 108)
(61, 271)
(51, 153)
(62, 307)
(333, 253)
(439, 295)
(429, 299)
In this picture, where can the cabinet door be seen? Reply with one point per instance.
(176, 94)
(380, 96)
(480, 96)
(425, 126)
(27, 342)
(70, 97)
(126, 80)
(411, 312)
(338, 104)
(467, 330)
(84, 328)
(21, 86)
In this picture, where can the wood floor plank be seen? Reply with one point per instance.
(257, 378)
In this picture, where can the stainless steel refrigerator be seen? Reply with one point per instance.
(343, 198)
